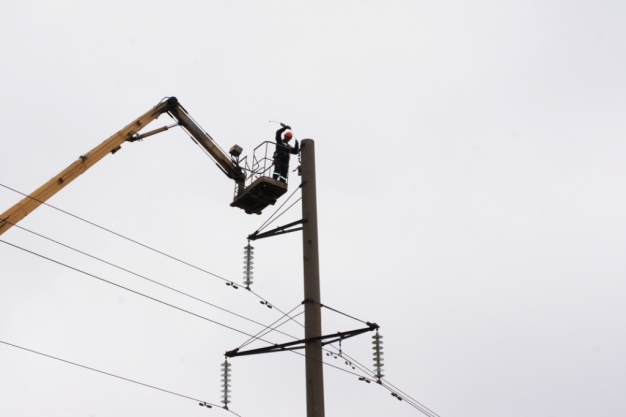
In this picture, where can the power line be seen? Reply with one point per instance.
(247, 342)
(128, 289)
(115, 376)
(117, 234)
(269, 329)
(157, 300)
(183, 262)
(285, 211)
(385, 382)
(265, 224)
(163, 302)
(133, 240)
(146, 278)
(337, 311)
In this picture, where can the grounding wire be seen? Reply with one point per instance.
(148, 279)
(115, 376)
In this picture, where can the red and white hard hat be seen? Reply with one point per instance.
(288, 135)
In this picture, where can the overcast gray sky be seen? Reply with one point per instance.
(470, 191)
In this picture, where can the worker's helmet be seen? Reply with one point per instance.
(288, 135)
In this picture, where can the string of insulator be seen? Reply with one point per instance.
(247, 265)
(378, 353)
(226, 383)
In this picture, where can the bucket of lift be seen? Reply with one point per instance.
(264, 191)
(259, 190)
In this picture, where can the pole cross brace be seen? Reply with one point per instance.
(301, 344)
(280, 230)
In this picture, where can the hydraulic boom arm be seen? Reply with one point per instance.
(171, 106)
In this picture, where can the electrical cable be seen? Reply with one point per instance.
(337, 311)
(116, 376)
(285, 322)
(269, 330)
(276, 218)
(136, 242)
(128, 289)
(276, 308)
(384, 381)
(173, 258)
(278, 209)
(119, 235)
(257, 335)
(160, 301)
(141, 244)
(148, 279)
(424, 411)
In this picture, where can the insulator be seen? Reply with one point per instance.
(247, 265)
(378, 353)
(226, 383)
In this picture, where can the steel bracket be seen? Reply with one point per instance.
(280, 230)
(301, 344)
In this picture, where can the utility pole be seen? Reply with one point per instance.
(312, 308)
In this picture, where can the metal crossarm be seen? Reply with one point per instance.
(300, 344)
(280, 230)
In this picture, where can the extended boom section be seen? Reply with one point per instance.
(183, 118)
(83, 163)
(261, 190)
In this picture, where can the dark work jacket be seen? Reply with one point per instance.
(283, 150)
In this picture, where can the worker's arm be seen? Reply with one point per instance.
(296, 148)
(279, 133)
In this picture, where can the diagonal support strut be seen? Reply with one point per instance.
(280, 230)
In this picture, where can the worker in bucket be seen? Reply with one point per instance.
(283, 152)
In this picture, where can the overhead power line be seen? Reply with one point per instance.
(128, 289)
(115, 376)
(132, 240)
(147, 279)
(118, 234)
(268, 222)
(364, 369)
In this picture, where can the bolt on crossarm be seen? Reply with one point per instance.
(312, 310)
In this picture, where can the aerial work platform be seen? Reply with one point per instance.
(259, 189)
(264, 191)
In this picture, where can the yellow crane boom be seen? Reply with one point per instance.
(130, 133)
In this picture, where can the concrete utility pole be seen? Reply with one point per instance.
(312, 310)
